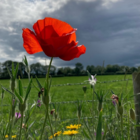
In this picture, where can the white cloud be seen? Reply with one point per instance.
(25, 10)
(13, 14)
(107, 3)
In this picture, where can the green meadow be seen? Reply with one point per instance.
(65, 93)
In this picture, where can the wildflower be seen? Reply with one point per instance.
(114, 103)
(24, 126)
(115, 98)
(95, 133)
(40, 92)
(38, 103)
(6, 136)
(17, 115)
(52, 111)
(92, 80)
(73, 127)
(54, 37)
(70, 133)
(14, 136)
(55, 135)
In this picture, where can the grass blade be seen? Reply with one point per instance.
(19, 97)
(28, 90)
(40, 86)
(9, 73)
(16, 71)
(7, 90)
(85, 134)
(99, 127)
(20, 88)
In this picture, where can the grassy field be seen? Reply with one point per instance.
(60, 95)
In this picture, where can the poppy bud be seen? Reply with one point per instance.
(12, 85)
(132, 114)
(84, 89)
(120, 110)
(22, 107)
(46, 100)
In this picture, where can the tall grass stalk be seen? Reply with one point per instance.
(44, 124)
(93, 114)
(21, 125)
(121, 126)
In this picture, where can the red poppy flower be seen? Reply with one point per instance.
(54, 37)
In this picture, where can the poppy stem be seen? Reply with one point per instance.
(122, 126)
(47, 106)
(93, 113)
(10, 128)
(48, 71)
(50, 124)
(44, 124)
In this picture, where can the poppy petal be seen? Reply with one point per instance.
(61, 51)
(59, 28)
(30, 42)
(73, 52)
(56, 45)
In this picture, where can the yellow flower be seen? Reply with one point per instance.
(74, 127)
(70, 133)
(55, 135)
(51, 137)
(14, 136)
(6, 136)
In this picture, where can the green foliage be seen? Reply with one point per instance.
(99, 127)
(67, 112)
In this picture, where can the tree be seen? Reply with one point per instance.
(60, 71)
(67, 71)
(37, 69)
(133, 69)
(98, 69)
(88, 68)
(21, 69)
(5, 65)
(78, 68)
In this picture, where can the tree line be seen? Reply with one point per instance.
(40, 70)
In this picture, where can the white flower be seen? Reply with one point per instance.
(93, 80)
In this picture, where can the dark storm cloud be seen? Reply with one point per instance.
(110, 33)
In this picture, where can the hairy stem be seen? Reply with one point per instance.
(21, 125)
(44, 124)
(93, 114)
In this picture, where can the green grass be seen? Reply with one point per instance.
(66, 93)
(73, 92)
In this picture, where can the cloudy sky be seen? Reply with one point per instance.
(110, 29)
